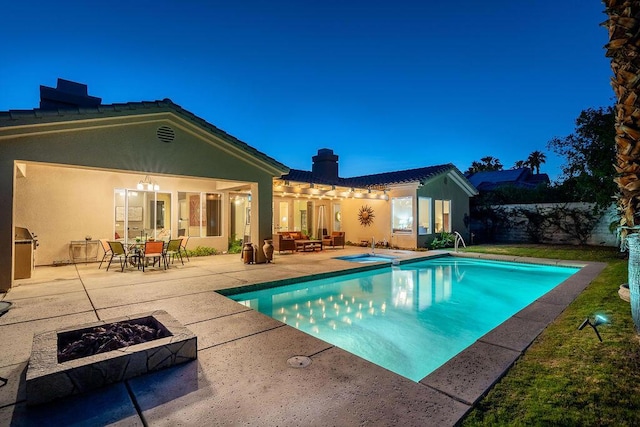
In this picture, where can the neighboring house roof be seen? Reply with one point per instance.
(419, 175)
(39, 116)
(521, 178)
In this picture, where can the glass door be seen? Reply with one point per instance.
(140, 215)
(283, 217)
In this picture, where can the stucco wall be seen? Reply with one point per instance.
(378, 229)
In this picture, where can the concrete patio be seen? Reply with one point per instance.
(241, 376)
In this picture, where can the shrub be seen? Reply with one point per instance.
(202, 251)
(235, 245)
(446, 240)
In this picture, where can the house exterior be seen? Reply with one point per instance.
(518, 178)
(75, 171)
(405, 209)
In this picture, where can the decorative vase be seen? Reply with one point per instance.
(268, 249)
(247, 253)
(634, 278)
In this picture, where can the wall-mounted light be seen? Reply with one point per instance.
(598, 320)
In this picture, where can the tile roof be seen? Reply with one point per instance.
(366, 181)
(521, 177)
(38, 115)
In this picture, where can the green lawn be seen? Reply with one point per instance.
(567, 377)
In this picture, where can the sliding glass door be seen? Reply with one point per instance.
(140, 215)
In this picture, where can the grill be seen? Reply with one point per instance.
(25, 242)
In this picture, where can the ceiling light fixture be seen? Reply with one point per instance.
(148, 184)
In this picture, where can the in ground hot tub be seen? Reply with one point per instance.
(368, 258)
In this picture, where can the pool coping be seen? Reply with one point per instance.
(470, 375)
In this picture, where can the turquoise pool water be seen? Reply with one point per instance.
(412, 318)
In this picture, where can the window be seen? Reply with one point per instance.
(424, 215)
(402, 214)
(200, 214)
(443, 216)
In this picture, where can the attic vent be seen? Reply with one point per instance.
(166, 134)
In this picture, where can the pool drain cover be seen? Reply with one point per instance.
(299, 361)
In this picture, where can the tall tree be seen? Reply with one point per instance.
(589, 155)
(535, 159)
(520, 164)
(487, 163)
(624, 51)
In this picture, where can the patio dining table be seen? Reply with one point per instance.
(136, 250)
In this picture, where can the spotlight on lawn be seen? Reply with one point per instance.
(599, 319)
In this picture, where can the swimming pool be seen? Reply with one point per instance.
(413, 318)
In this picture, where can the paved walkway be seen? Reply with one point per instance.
(241, 376)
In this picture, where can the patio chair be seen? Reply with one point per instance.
(153, 251)
(335, 239)
(173, 250)
(183, 246)
(107, 251)
(118, 251)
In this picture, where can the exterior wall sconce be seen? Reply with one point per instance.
(148, 184)
(598, 320)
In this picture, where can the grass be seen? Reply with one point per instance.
(567, 377)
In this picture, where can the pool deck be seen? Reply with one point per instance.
(241, 376)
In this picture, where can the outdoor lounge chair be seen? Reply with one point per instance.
(335, 239)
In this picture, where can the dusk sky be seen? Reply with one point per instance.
(386, 85)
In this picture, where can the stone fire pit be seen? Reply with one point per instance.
(49, 379)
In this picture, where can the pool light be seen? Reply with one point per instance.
(599, 319)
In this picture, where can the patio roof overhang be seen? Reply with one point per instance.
(317, 191)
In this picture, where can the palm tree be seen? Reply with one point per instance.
(491, 163)
(624, 38)
(488, 163)
(520, 164)
(535, 159)
(625, 62)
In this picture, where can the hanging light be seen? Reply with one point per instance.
(148, 184)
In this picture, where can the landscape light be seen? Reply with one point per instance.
(599, 319)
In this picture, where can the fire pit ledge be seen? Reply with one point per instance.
(47, 379)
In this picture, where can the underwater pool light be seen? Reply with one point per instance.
(599, 319)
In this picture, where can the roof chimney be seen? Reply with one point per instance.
(67, 94)
(325, 165)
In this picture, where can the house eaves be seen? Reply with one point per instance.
(16, 123)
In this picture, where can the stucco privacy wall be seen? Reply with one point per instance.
(127, 143)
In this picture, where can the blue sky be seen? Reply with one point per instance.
(386, 85)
